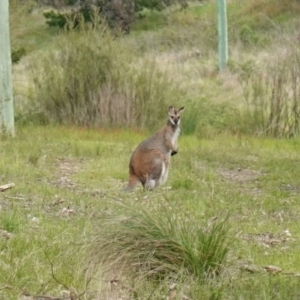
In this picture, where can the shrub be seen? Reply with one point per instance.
(16, 54)
(160, 242)
(91, 79)
(271, 8)
(248, 36)
(273, 106)
(120, 14)
(55, 19)
(203, 116)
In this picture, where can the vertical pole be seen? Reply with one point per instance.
(6, 92)
(222, 34)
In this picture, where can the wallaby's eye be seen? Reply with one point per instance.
(178, 117)
(172, 117)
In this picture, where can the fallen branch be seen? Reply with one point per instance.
(40, 297)
(43, 297)
(6, 187)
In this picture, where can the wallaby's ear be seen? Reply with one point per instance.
(180, 111)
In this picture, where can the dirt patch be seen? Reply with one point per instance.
(242, 177)
(293, 189)
(268, 239)
(66, 168)
(239, 175)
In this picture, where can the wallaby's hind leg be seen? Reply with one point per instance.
(153, 176)
(159, 176)
(164, 173)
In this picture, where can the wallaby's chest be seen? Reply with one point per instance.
(175, 136)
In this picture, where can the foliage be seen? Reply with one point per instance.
(19, 13)
(272, 96)
(118, 14)
(271, 8)
(71, 20)
(93, 81)
(17, 54)
(55, 19)
(156, 4)
(202, 116)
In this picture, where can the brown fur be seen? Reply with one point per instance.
(150, 161)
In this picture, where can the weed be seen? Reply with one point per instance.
(34, 158)
(10, 222)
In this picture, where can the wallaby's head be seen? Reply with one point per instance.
(174, 115)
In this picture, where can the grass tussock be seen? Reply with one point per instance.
(271, 8)
(271, 95)
(160, 243)
(91, 79)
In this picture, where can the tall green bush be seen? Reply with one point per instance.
(120, 14)
(203, 116)
(89, 78)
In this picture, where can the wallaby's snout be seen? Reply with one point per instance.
(175, 120)
(149, 163)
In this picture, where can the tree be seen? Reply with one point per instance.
(118, 13)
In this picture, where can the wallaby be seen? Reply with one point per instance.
(149, 163)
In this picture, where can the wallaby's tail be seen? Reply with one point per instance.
(133, 181)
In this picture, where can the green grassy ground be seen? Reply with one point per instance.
(68, 181)
(66, 178)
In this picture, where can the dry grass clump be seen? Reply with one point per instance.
(271, 95)
(272, 8)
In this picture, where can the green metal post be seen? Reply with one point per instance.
(6, 92)
(222, 34)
